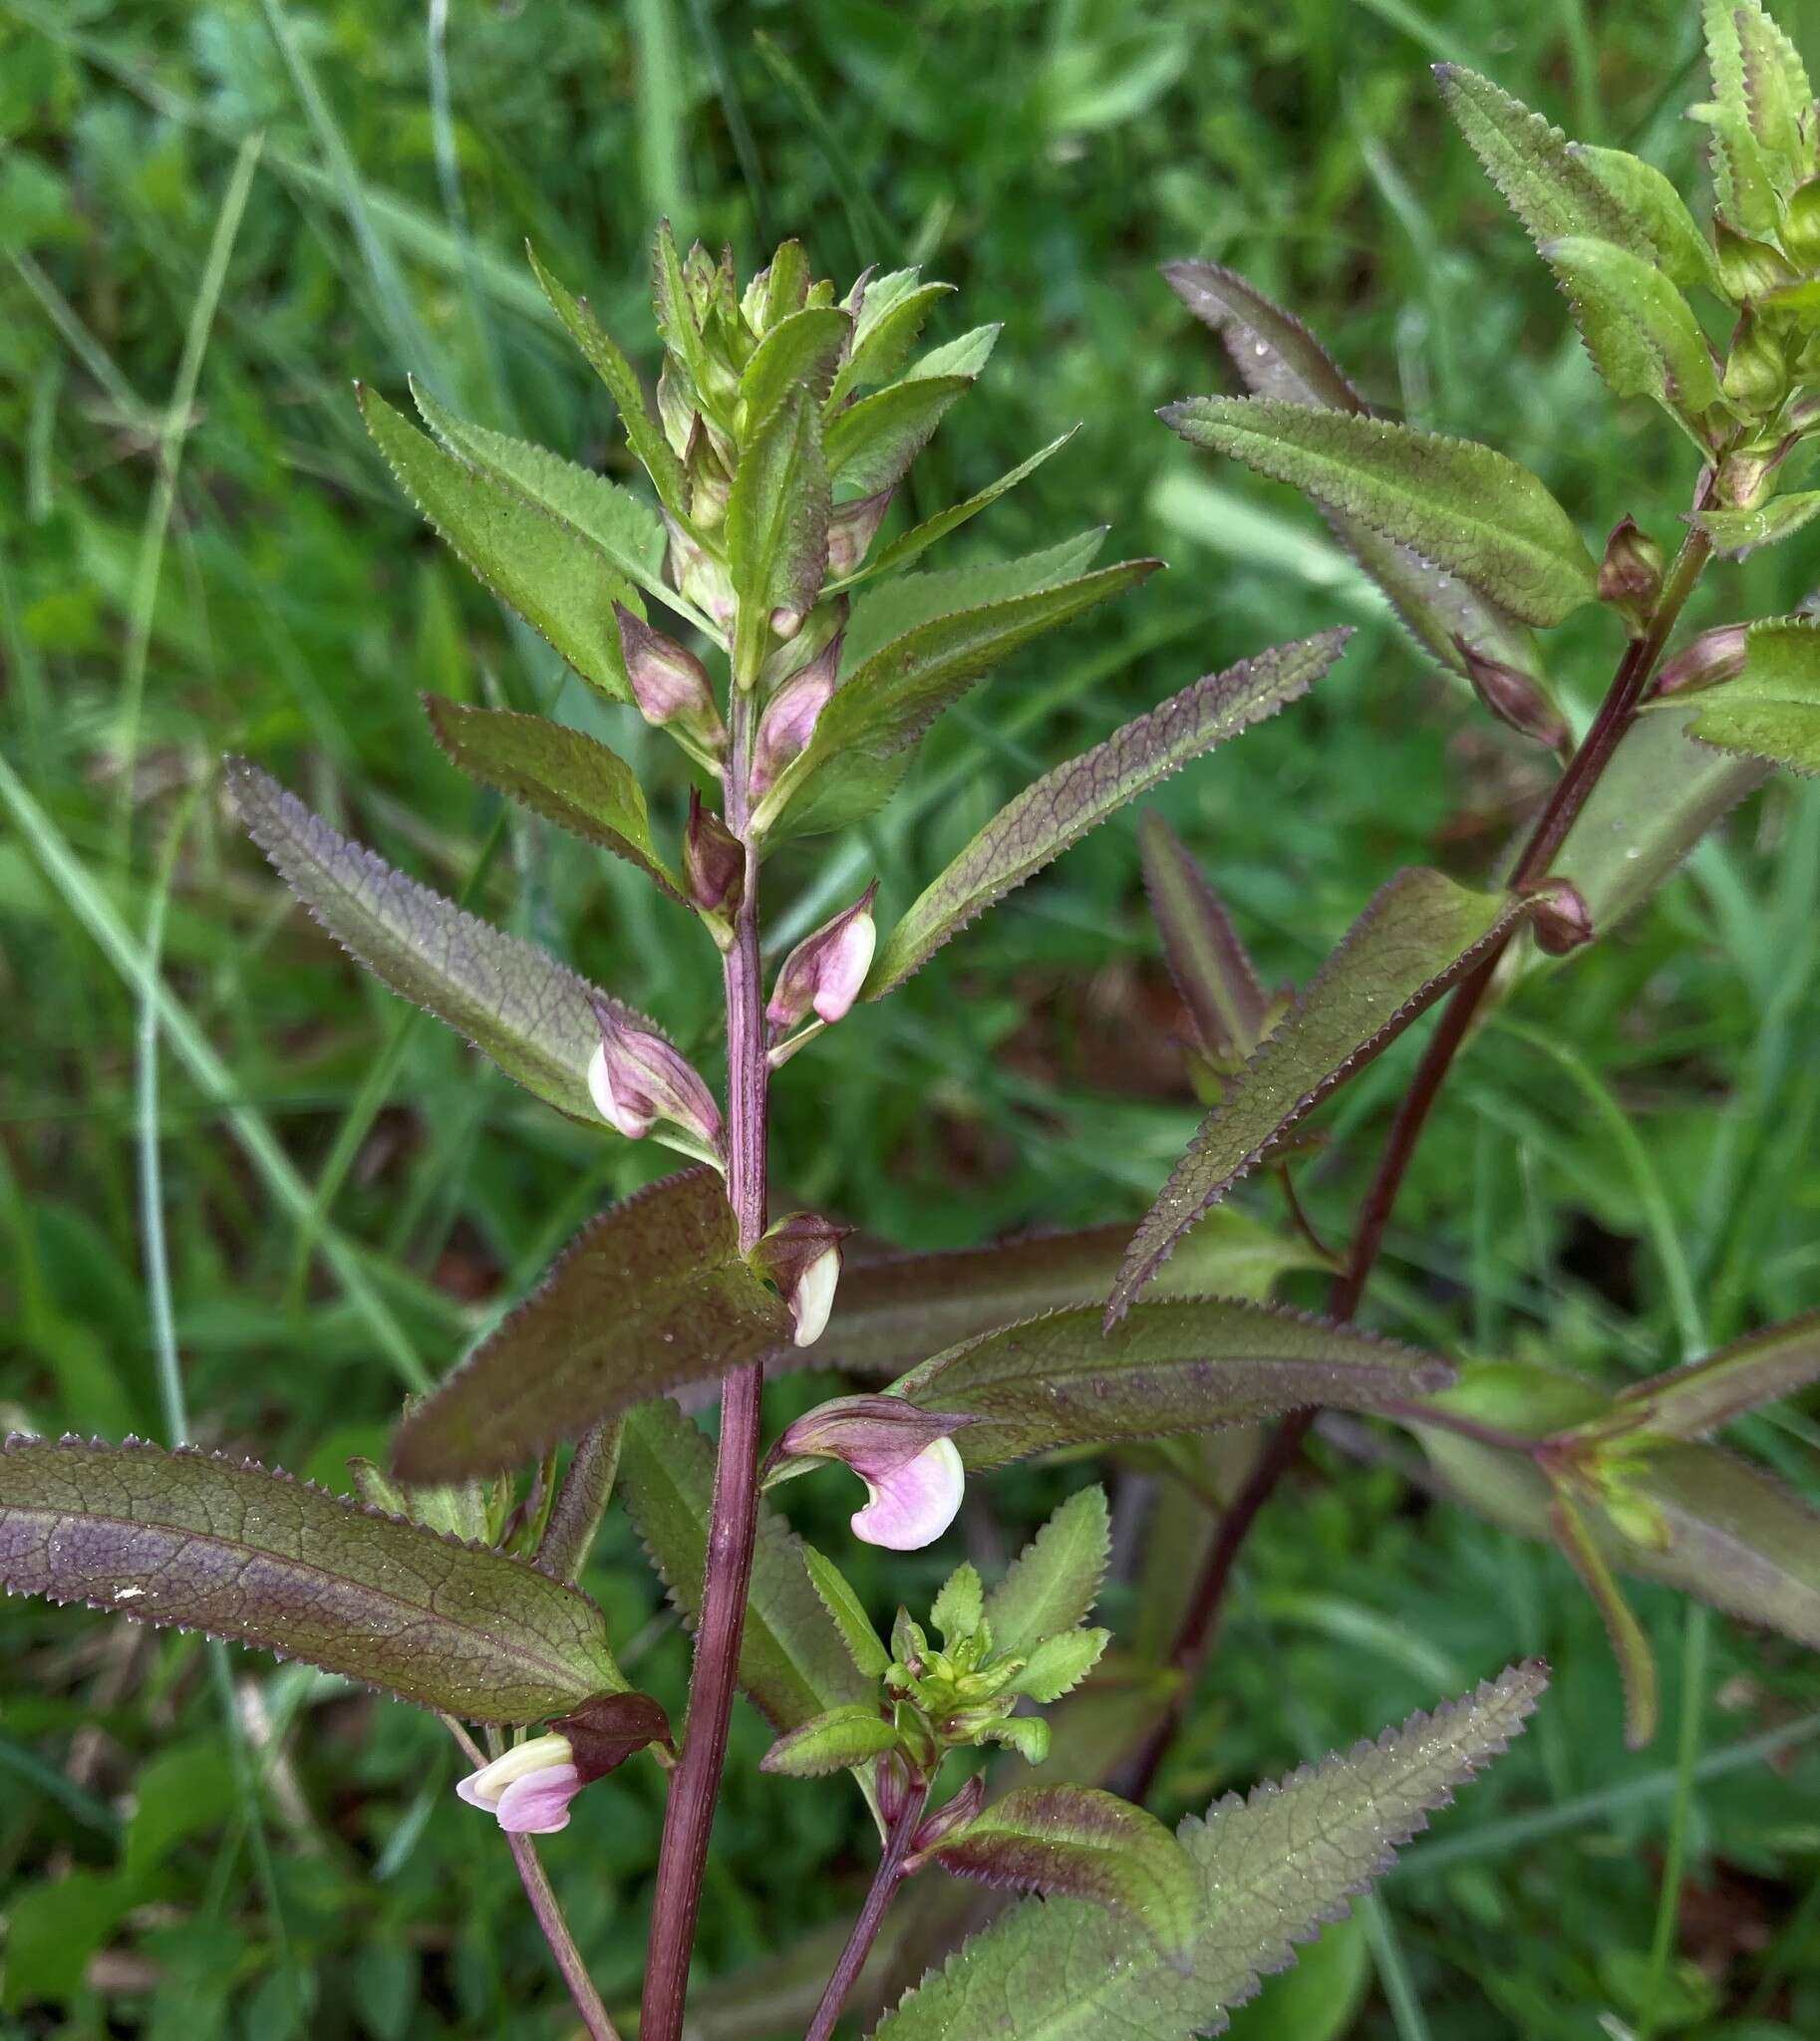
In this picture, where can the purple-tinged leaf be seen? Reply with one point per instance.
(1473, 511)
(872, 443)
(1081, 1843)
(1193, 1364)
(1054, 1581)
(1271, 1870)
(839, 1741)
(1420, 935)
(1211, 965)
(777, 525)
(1058, 809)
(1764, 111)
(607, 1730)
(1694, 1400)
(793, 1664)
(581, 1502)
(886, 613)
(571, 779)
(558, 579)
(205, 1543)
(1629, 1641)
(533, 1015)
(912, 544)
(651, 1294)
(1273, 352)
(1771, 710)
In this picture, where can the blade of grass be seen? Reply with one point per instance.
(1696, 1628)
(662, 120)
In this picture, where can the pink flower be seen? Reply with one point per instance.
(825, 971)
(668, 682)
(790, 717)
(914, 1504)
(529, 1789)
(906, 1457)
(801, 1254)
(637, 1078)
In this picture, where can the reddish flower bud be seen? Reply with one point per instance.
(1514, 698)
(1714, 656)
(801, 1254)
(790, 717)
(1630, 575)
(637, 1078)
(694, 573)
(824, 972)
(714, 860)
(669, 684)
(529, 1788)
(1561, 920)
(852, 529)
(953, 1814)
(905, 1456)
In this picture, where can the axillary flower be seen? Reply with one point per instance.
(906, 1457)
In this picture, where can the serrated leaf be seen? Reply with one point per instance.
(678, 314)
(643, 432)
(628, 533)
(966, 357)
(1274, 353)
(1652, 204)
(1737, 532)
(1059, 1663)
(1086, 1845)
(1211, 967)
(869, 1656)
(1060, 808)
(1661, 352)
(572, 781)
(879, 712)
(1054, 1581)
(559, 580)
(1471, 510)
(912, 544)
(205, 1543)
(651, 1295)
(799, 353)
(1773, 709)
(1420, 934)
(1271, 1870)
(839, 1742)
(1778, 1361)
(873, 442)
(889, 323)
(1762, 98)
(1629, 1642)
(533, 1015)
(793, 1662)
(881, 615)
(1028, 1736)
(777, 521)
(1193, 1364)
(957, 1609)
(581, 1502)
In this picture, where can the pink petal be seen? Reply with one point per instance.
(539, 1803)
(914, 1504)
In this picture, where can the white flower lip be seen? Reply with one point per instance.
(529, 1790)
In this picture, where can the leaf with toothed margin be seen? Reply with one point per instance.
(792, 1663)
(581, 1502)
(1770, 711)
(1211, 967)
(1058, 809)
(571, 779)
(533, 1015)
(1630, 1640)
(1083, 1843)
(1691, 1402)
(1650, 343)
(883, 614)
(777, 521)
(1736, 534)
(205, 1543)
(1274, 354)
(1420, 935)
(1054, 1581)
(915, 542)
(557, 578)
(1270, 1872)
(1193, 1364)
(651, 1295)
(1763, 139)
(872, 443)
(841, 1740)
(1471, 510)
(836, 1596)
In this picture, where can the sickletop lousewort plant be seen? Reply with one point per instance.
(753, 617)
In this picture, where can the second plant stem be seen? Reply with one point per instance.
(885, 1883)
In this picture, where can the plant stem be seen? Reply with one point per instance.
(733, 1522)
(1630, 684)
(885, 1883)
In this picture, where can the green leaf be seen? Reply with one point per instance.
(1471, 510)
(1773, 709)
(1778, 1361)
(966, 357)
(677, 316)
(1270, 1868)
(628, 532)
(1028, 1736)
(211, 1544)
(794, 1663)
(1059, 1663)
(651, 1296)
(559, 580)
(881, 615)
(1321, 1998)
(836, 1742)
(957, 1610)
(799, 353)
(873, 442)
(1054, 1581)
(1078, 1842)
(581, 1502)
(1630, 1640)
(1190, 1366)
(1763, 98)
(533, 1015)
(1649, 343)
(911, 544)
(1737, 532)
(1420, 935)
(1211, 967)
(890, 319)
(881, 710)
(643, 432)
(869, 1656)
(777, 522)
(1652, 204)
(1275, 356)
(571, 779)
(1060, 807)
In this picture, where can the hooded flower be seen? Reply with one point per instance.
(668, 682)
(529, 1788)
(637, 1078)
(801, 1254)
(790, 717)
(905, 1456)
(824, 974)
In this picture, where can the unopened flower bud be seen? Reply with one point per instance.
(1801, 223)
(1757, 369)
(1748, 268)
(714, 860)
(906, 1457)
(1561, 920)
(801, 1256)
(851, 530)
(955, 1814)
(785, 624)
(669, 684)
(1714, 656)
(1630, 575)
(790, 717)
(824, 972)
(529, 1789)
(681, 420)
(637, 1078)
(696, 574)
(1514, 697)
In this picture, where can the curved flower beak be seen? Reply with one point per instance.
(636, 1079)
(913, 1503)
(529, 1790)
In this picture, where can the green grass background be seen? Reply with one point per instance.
(200, 553)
